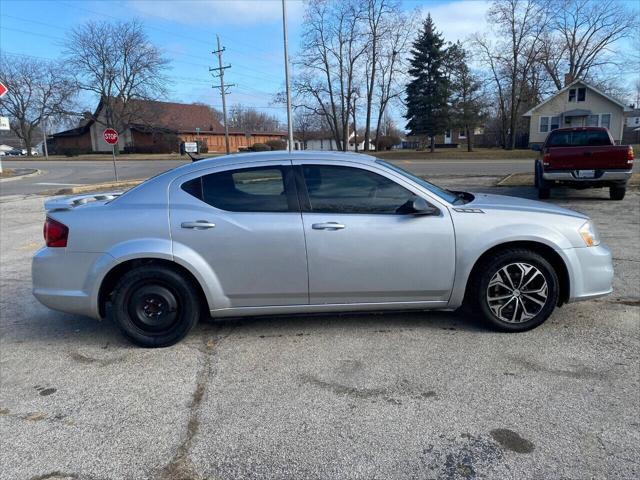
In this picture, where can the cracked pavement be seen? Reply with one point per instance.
(396, 395)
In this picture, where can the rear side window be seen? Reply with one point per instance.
(334, 189)
(245, 190)
(581, 138)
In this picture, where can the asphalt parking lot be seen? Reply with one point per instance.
(411, 395)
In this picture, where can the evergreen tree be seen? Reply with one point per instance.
(427, 91)
(465, 95)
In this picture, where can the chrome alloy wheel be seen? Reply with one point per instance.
(517, 292)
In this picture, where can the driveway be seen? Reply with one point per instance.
(404, 395)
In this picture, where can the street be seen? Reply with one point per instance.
(60, 174)
(403, 395)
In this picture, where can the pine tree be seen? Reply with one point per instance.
(427, 91)
(465, 93)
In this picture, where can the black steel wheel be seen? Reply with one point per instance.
(155, 306)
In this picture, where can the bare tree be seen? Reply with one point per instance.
(252, 120)
(378, 15)
(38, 90)
(117, 62)
(333, 45)
(517, 26)
(581, 37)
(306, 125)
(390, 62)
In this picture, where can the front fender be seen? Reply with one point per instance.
(471, 247)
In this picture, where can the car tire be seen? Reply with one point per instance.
(617, 193)
(155, 306)
(519, 309)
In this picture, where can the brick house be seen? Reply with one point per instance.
(159, 127)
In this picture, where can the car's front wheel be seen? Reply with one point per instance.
(515, 290)
(155, 306)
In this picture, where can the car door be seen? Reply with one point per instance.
(245, 222)
(360, 249)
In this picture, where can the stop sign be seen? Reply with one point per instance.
(3, 90)
(110, 136)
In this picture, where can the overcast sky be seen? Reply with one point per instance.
(250, 30)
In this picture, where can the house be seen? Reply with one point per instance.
(324, 140)
(158, 127)
(576, 105)
(631, 134)
(451, 138)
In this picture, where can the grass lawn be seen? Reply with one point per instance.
(457, 154)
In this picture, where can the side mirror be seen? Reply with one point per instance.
(418, 206)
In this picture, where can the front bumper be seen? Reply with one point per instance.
(590, 272)
(600, 176)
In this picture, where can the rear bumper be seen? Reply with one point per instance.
(600, 176)
(590, 272)
(64, 280)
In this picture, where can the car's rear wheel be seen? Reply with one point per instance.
(617, 193)
(155, 306)
(515, 290)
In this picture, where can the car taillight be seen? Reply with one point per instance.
(546, 158)
(630, 156)
(55, 233)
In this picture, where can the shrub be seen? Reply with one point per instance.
(277, 144)
(260, 147)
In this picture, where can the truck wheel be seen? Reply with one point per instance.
(541, 184)
(617, 193)
(544, 192)
(514, 291)
(155, 306)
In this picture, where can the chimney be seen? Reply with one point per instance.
(568, 78)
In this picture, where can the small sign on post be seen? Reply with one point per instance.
(3, 120)
(191, 147)
(111, 137)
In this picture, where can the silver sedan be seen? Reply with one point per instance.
(278, 233)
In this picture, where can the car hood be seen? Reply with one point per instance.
(486, 201)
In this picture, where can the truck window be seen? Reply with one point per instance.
(581, 138)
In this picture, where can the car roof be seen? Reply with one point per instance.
(239, 158)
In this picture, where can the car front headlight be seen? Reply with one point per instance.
(589, 234)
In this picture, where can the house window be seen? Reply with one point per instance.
(544, 124)
(462, 134)
(577, 94)
(592, 121)
(605, 120)
(549, 123)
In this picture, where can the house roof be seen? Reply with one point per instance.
(572, 84)
(181, 117)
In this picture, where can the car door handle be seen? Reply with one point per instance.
(198, 225)
(328, 226)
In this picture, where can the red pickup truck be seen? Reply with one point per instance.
(583, 157)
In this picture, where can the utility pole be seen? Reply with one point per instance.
(286, 74)
(44, 138)
(220, 73)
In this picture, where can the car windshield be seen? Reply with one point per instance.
(443, 193)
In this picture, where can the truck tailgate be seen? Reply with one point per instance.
(603, 157)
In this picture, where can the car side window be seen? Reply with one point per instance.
(259, 189)
(337, 189)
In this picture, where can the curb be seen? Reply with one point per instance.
(125, 184)
(32, 173)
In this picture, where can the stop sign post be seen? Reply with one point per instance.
(111, 137)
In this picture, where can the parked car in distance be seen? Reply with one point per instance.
(309, 232)
(16, 152)
(583, 157)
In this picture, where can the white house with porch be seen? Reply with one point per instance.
(579, 104)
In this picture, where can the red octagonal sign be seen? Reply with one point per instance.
(110, 136)
(3, 90)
